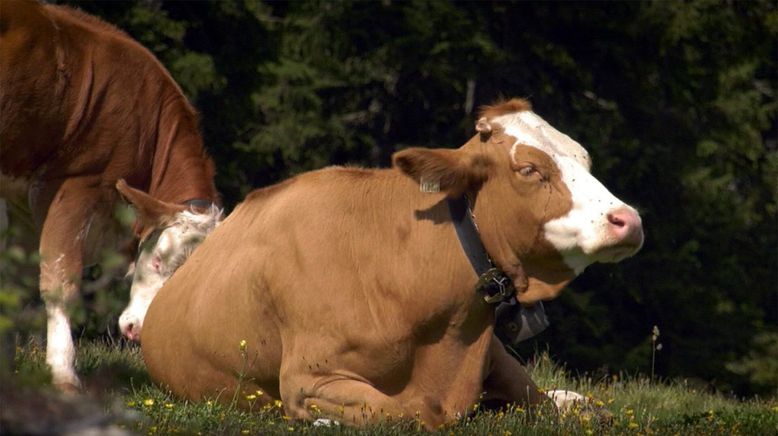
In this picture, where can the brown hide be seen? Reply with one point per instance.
(79, 98)
(353, 294)
(81, 106)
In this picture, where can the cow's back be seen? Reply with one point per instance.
(31, 87)
(81, 97)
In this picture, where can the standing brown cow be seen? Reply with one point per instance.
(350, 293)
(82, 105)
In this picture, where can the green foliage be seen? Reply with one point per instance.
(761, 363)
(676, 102)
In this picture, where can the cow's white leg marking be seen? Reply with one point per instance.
(58, 292)
(60, 350)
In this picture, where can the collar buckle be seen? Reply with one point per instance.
(496, 286)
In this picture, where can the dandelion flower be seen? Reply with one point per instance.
(242, 345)
(148, 402)
(260, 393)
(278, 403)
(168, 405)
(251, 397)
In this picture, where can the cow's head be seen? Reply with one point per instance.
(538, 208)
(168, 234)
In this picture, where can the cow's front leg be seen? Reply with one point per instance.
(63, 230)
(508, 381)
(345, 398)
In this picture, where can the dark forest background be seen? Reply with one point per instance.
(676, 102)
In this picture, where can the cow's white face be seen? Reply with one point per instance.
(599, 227)
(160, 254)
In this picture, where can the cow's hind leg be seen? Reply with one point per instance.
(341, 398)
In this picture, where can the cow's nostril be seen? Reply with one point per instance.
(128, 330)
(616, 220)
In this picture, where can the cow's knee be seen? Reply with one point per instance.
(339, 398)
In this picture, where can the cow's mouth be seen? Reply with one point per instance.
(617, 253)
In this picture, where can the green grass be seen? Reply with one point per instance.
(115, 378)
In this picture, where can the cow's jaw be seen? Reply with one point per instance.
(599, 227)
(158, 259)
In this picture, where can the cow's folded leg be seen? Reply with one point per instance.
(339, 398)
(508, 381)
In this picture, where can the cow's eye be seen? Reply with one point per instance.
(527, 170)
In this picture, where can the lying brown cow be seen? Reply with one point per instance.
(352, 291)
(82, 106)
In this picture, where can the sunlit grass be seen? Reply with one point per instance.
(639, 405)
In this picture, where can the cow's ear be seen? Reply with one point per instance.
(152, 213)
(449, 171)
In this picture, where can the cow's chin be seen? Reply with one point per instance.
(615, 253)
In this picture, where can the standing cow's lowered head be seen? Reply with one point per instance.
(351, 295)
(168, 233)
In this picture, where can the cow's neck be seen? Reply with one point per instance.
(514, 245)
(181, 170)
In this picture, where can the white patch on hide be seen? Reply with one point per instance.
(580, 234)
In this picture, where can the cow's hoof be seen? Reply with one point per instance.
(571, 403)
(68, 388)
(324, 422)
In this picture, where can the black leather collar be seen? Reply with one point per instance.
(496, 286)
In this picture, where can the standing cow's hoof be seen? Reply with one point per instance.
(68, 388)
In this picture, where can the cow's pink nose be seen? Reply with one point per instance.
(626, 227)
(132, 332)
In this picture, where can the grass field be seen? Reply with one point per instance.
(121, 399)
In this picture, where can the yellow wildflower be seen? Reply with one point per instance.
(633, 424)
(244, 431)
(251, 397)
(242, 345)
(148, 402)
(260, 393)
(278, 404)
(599, 403)
(168, 405)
